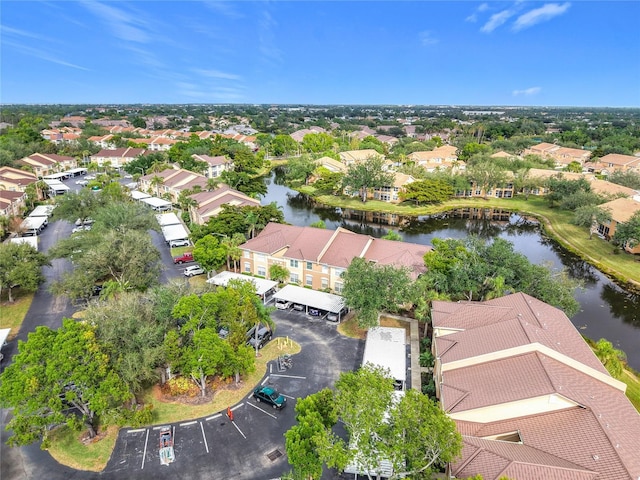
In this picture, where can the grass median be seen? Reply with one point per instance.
(68, 448)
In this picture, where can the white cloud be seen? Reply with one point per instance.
(538, 15)
(123, 25)
(496, 20)
(427, 38)
(224, 8)
(42, 55)
(266, 36)
(217, 74)
(527, 91)
(474, 16)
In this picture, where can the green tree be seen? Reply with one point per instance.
(210, 253)
(279, 273)
(369, 174)
(20, 265)
(370, 289)
(427, 191)
(204, 356)
(612, 358)
(319, 224)
(561, 188)
(591, 216)
(60, 376)
(282, 145)
(487, 175)
(317, 142)
(392, 235)
(299, 169)
(628, 233)
(80, 205)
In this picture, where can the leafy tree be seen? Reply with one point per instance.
(365, 175)
(370, 289)
(282, 145)
(561, 188)
(317, 142)
(392, 235)
(20, 265)
(487, 175)
(427, 191)
(244, 220)
(580, 199)
(591, 216)
(60, 376)
(279, 273)
(80, 205)
(210, 253)
(413, 434)
(628, 233)
(327, 181)
(319, 224)
(204, 356)
(612, 358)
(629, 178)
(299, 169)
(132, 337)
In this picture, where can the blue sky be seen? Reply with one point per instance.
(580, 53)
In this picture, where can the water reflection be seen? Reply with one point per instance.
(607, 311)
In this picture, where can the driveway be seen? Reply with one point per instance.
(252, 447)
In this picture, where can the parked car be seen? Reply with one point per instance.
(270, 396)
(179, 243)
(193, 270)
(283, 305)
(298, 307)
(258, 340)
(184, 258)
(90, 177)
(81, 228)
(82, 182)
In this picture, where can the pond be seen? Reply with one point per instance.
(607, 311)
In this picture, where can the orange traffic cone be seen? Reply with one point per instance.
(229, 413)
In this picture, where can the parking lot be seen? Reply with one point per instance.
(252, 446)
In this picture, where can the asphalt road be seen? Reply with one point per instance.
(252, 447)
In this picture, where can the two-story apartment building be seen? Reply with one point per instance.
(391, 193)
(118, 157)
(562, 156)
(15, 180)
(358, 156)
(170, 183)
(440, 158)
(215, 165)
(209, 204)
(12, 203)
(528, 395)
(316, 258)
(621, 210)
(47, 163)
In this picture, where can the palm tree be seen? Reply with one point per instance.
(212, 183)
(156, 181)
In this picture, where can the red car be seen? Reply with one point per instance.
(184, 258)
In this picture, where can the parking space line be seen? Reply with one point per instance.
(288, 376)
(212, 417)
(206, 445)
(185, 424)
(265, 381)
(263, 411)
(238, 428)
(237, 406)
(144, 454)
(288, 396)
(137, 430)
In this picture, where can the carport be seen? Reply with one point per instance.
(165, 219)
(263, 287)
(312, 299)
(157, 204)
(33, 225)
(56, 187)
(137, 195)
(174, 232)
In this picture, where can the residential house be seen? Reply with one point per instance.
(529, 397)
(391, 193)
(215, 165)
(317, 257)
(388, 140)
(12, 203)
(103, 141)
(299, 135)
(440, 158)
(44, 164)
(209, 204)
(15, 180)
(331, 164)
(170, 183)
(157, 144)
(502, 154)
(357, 156)
(621, 209)
(117, 158)
(617, 162)
(562, 156)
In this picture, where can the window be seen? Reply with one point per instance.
(262, 271)
(325, 269)
(309, 280)
(293, 263)
(247, 267)
(338, 287)
(325, 283)
(247, 254)
(309, 265)
(294, 278)
(339, 271)
(261, 257)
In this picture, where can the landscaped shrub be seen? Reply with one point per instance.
(180, 386)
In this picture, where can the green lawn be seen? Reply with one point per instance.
(12, 314)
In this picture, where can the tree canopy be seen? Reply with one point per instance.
(20, 265)
(59, 376)
(362, 176)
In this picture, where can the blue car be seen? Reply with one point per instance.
(270, 396)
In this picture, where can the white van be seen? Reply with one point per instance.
(283, 305)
